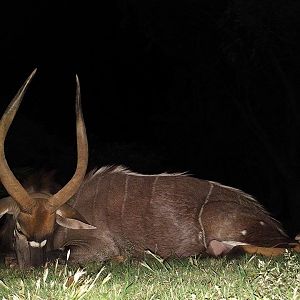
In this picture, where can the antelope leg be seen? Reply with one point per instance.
(267, 251)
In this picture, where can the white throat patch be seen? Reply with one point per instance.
(34, 244)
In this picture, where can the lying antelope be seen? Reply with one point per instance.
(116, 212)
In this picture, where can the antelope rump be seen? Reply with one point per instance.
(115, 212)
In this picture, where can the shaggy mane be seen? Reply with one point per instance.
(110, 169)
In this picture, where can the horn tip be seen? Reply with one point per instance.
(33, 72)
(31, 75)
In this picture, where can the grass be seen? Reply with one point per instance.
(249, 277)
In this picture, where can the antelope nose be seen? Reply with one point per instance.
(37, 244)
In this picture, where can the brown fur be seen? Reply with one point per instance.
(160, 213)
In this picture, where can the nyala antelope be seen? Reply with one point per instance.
(114, 212)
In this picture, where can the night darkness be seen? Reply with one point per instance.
(209, 87)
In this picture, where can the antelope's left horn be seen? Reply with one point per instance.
(9, 181)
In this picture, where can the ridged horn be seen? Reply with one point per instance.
(63, 195)
(9, 181)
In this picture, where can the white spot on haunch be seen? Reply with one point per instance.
(261, 223)
(34, 244)
(244, 232)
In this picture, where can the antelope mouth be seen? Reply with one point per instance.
(30, 254)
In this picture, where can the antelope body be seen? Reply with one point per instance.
(114, 212)
(168, 214)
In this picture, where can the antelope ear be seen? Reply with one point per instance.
(8, 206)
(69, 217)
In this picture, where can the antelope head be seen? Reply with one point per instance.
(35, 214)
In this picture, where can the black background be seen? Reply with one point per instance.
(209, 87)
